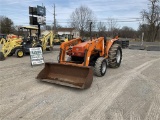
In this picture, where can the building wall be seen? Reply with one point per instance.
(63, 32)
(75, 33)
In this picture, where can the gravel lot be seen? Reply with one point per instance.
(131, 92)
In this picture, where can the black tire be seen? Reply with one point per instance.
(19, 53)
(100, 67)
(49, 49)
(115, 56)
(2, 56)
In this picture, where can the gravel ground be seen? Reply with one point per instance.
(130, 92)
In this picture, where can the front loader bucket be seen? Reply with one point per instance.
(68, 75)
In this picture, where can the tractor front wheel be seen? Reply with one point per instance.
(100, 67)
(19, 53)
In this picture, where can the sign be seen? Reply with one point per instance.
(37, 20)
(41, 10)
(41, 20)
(37, 15)
(36, 56)
(32, 10)
(33, 20)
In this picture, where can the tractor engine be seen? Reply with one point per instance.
(79, 50)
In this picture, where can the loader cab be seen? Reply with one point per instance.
(3, 36)
(29, 33)
(29, 37)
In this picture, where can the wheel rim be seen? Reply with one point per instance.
(118, 56)
(104, 67)
(20, 53)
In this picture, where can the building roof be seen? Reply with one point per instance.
(30, 27)
(66, 29)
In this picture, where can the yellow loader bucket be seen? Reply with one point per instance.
(67, 75)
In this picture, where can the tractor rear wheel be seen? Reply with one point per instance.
(115, 56)
(2, 56)
(19, 53)
(100, 67)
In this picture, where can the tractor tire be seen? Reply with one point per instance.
(115, 56)
(19, 53)
(100, 67)
(49, 49)
(2, 56)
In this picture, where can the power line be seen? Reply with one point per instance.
(49, 11)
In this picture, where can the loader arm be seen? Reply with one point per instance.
(2, 41)
(96, 45)
(65, 46)
(9, 45)
(47, 35)
(109, 43)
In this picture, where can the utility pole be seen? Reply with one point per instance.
(142, 33)
(90, 30)
(54, 15)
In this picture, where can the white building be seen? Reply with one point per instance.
(71, 31)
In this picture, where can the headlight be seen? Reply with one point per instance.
(24, 43)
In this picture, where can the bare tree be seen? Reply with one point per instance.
(101, 26)
(112, 26)
(127, 32)
(6, 25)
(81, 18)
(58, 25)
(48, 27)
(152, 18)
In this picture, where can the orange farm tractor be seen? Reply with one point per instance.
(79, 60)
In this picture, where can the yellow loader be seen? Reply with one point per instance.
(20, 46)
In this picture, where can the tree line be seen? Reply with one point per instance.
(83, 15)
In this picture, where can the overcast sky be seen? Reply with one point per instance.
(124, 11)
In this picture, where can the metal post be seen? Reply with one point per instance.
(142, 38)
(90, 29)
(39, 30)
(54, 20)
